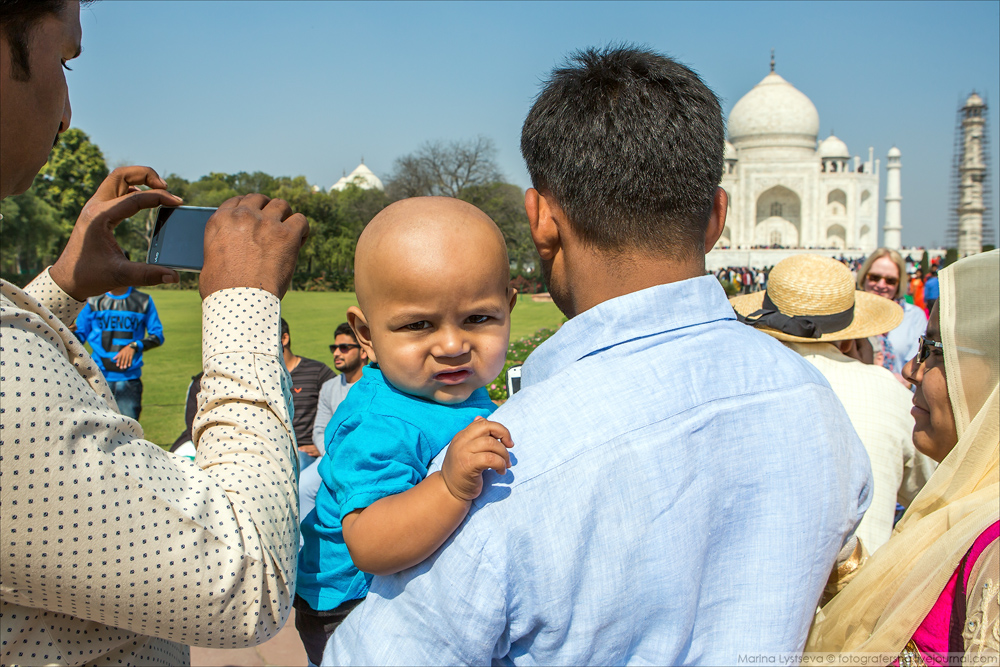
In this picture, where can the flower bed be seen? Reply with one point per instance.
(517, 353)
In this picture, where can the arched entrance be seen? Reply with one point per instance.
(779, 218)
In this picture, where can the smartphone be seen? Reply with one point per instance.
(513, 380)
(179, 237)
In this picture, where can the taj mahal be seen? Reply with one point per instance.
(790, 190)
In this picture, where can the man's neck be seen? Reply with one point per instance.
(599, 277)
(353, 376)
(291, 360)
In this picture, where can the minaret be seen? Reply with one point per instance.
(893, 229)
(972, 171)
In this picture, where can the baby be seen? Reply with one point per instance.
(432, 280)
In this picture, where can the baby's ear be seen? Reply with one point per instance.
(512, 297)
(356, 318)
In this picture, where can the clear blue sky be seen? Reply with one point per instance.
(309, 88)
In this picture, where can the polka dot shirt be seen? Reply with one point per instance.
(112, 550)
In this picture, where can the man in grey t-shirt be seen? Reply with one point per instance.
(348, 358)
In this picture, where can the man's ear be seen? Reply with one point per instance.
(359, 323)
(544, 219)
(285, 339)
(716, 219)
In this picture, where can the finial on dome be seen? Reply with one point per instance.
(772, 60)
(362, 159)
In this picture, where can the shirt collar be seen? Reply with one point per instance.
(629, 317)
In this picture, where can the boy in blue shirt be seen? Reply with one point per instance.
(432, 280)
(120, 326)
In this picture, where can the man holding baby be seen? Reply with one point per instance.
(695, 517)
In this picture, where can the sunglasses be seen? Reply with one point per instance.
(343, 348)
(925, 347)
(875, 279)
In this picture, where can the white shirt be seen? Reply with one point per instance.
(879, 408)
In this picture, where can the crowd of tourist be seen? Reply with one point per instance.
(682, 478)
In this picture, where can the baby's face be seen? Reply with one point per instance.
(440, 334)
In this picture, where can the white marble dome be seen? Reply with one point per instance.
(832, 147)
(974, 100)
(774, 113)
(894, 152)
(363, 177)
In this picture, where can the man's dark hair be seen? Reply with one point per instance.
(17, 19)
(284, 330)
(630, 144)
(345, 330)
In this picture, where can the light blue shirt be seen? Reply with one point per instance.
(905, 338)
(681, 487)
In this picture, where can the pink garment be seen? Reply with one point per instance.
(931, 637)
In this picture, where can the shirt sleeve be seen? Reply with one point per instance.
(374, 456)
(107, 528)
(84, 323)
(324, 411)
(154, 328)
(52, 297)
(448, 610)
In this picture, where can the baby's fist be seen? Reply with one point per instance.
(480, 446)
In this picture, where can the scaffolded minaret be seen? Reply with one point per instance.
(971, 195)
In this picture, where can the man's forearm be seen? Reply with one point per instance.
(399, 531)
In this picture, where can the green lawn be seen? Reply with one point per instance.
(311, 316)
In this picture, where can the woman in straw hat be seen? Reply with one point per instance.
(806, 286)
(934, 588)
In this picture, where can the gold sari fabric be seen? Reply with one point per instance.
(879, 610)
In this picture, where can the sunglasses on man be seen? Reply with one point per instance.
(343, 348)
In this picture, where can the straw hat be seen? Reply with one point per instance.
(812, 299)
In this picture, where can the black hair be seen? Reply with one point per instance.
(345, 330)
(630, 145)
(17, 19)
(284, 330)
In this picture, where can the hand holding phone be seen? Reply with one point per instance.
(92, 262)
(252, 241)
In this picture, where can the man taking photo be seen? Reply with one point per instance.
(116, 551)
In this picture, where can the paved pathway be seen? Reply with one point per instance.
(284, 650)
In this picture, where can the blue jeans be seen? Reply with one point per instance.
(128, 395)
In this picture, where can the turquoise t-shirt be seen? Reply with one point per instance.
(379, 442)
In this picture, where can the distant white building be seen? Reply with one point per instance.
(785, 188)
(362, 176)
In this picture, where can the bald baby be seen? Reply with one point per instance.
(433, 287)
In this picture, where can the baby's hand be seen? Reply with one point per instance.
(480, 446)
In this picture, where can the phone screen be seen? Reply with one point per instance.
(179, 237)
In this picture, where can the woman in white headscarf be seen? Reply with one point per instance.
(934, 588)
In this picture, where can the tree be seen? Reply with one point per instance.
(30, 230)
(444, 169)
(76, 168)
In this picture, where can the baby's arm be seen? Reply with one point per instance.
(397, 532)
